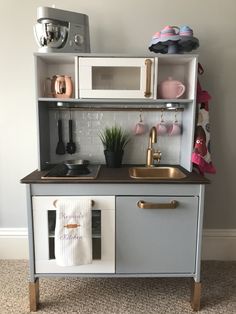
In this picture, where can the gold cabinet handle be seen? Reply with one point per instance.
(146, 205)
(148, 63)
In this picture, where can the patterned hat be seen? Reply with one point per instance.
(162, 40)
(187, 41)
(169, 33)
(172, 39)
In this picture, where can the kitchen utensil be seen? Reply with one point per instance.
(76, 164)
(170, 89)
(60, 149)
(71, 147)
(51, 35)
(59, 86)
(61, 31)
(63, 86)
(62, 171)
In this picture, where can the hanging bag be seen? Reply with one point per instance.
(201, 156)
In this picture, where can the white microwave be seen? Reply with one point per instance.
(103, 235)
(116, 77)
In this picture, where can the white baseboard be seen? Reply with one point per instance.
(217, 244)
(14, 243)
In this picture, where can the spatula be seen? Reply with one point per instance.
(70, 147)
(60, 150)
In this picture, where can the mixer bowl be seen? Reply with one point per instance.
(50, 35)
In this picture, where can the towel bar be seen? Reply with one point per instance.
(55, 203)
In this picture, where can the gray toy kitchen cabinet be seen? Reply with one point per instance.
(148, 229)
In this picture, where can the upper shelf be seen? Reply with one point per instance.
(104, 78)
(116, 101)
(70, 56)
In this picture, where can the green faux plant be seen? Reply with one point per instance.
(114, 139)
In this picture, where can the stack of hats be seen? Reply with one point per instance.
(173, 39)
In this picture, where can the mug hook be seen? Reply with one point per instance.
(162, 115)
(176, 120)
(140, 116)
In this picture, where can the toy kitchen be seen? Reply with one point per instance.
(84, 216)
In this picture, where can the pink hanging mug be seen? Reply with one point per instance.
(140, 128)
(161, 127)
(175, 128)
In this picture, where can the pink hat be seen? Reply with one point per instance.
(169, 33)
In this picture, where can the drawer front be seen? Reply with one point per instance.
(156, 240)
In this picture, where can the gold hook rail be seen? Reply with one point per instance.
(115, 109)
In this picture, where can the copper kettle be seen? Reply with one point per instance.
(59, 86)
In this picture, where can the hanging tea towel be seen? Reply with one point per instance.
(201, 156)
(73, 232)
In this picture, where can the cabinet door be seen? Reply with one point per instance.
(103, 237)
(159, 240)
(116, 78)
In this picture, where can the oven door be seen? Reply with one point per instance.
(116, 78)
(103, 235)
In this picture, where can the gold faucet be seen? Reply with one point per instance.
(151, 153)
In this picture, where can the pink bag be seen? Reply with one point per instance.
(201, 156)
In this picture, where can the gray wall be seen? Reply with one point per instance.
(120, 27)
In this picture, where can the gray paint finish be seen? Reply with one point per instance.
(156, 240)
(115, 189)
(149, 243)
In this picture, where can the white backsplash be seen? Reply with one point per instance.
(88, 124)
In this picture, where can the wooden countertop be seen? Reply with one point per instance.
(115, 175)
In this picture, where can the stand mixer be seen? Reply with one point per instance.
(61, 31)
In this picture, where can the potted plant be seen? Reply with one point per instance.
(114, 140)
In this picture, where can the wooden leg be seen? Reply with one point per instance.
(196, 295)
(34, 295)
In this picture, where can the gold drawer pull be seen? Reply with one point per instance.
(148, 64)
(146, 205)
